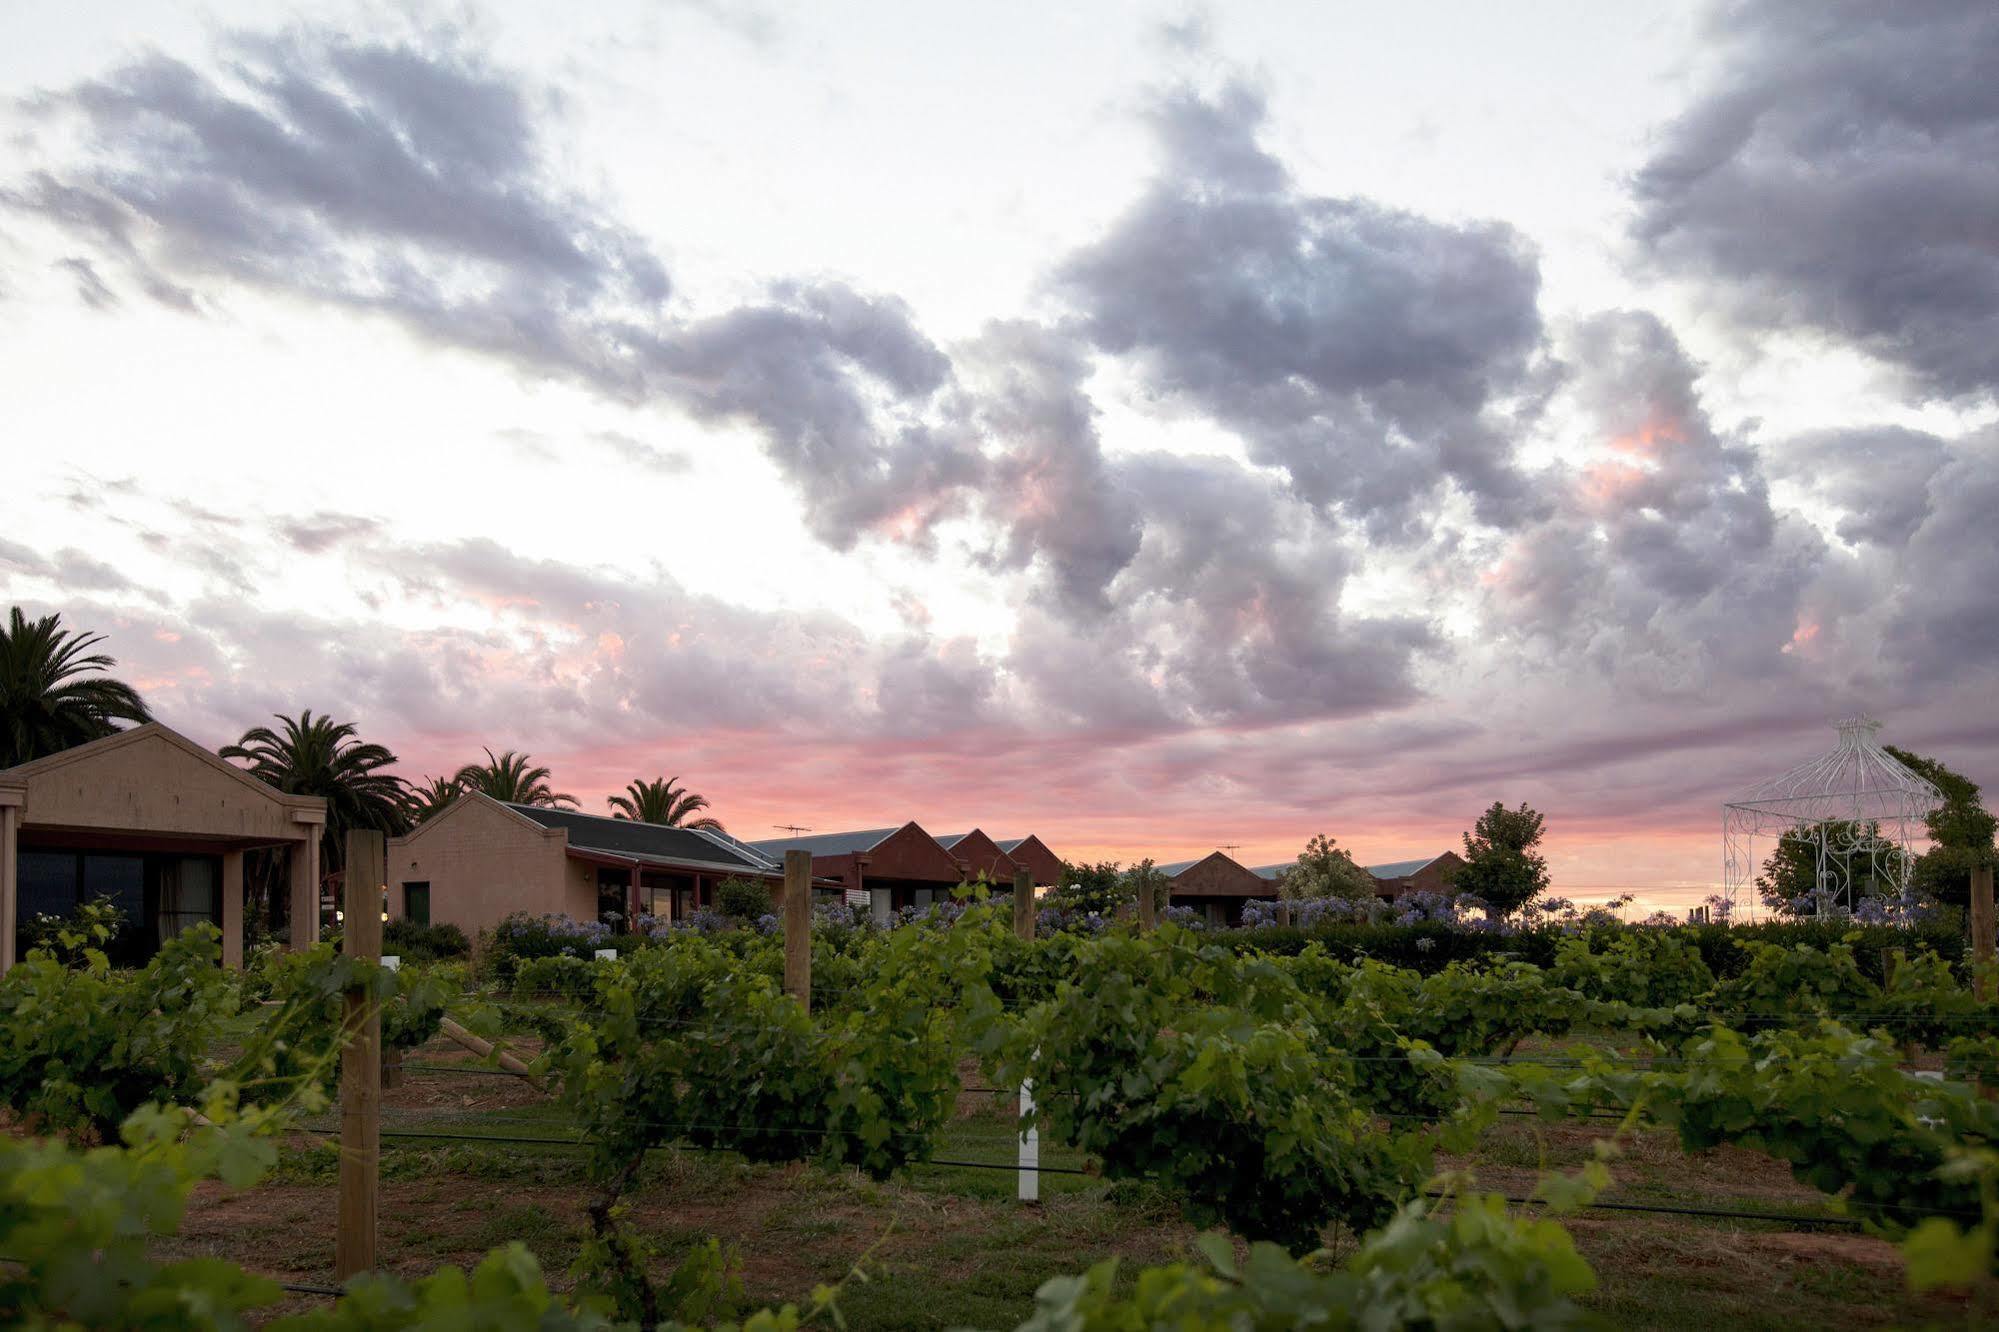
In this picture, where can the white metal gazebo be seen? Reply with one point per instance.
(1859, 808)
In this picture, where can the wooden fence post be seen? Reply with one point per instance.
(1023, 903)
(1148, 904)
(1981, 930)
(798, 926)
(360, 1062)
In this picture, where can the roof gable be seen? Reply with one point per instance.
(982, 852)
(153, 779)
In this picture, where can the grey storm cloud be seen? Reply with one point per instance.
(1664, 560)
(1368, 352)
(1051, 494)
(1842, 174)
(1228, 612)
(413, 183)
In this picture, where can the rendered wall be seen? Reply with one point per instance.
(484, 863)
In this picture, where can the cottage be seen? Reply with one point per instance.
(894, 867)
(480, 860)
(1216, 885)
(158, 824)
(1032, 854)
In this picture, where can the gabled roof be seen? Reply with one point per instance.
(154, 732)
(826, 844)
(1007, 844)
(1174, 867)
(1402, 869)
(649, 842)
(1276, 871)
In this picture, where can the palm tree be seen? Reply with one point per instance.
(320, 757)
(50, 697)
(662, 800)
(429, 798)
(509, 777)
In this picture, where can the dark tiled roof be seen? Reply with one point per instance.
(1399, 868)
(646, 841)
(825, 844)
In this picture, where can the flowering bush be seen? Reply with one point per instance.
(1192, 919)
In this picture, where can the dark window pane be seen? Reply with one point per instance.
(48, 884)
(120, 878)
(416, 903)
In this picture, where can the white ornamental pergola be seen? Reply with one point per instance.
(1859, 808)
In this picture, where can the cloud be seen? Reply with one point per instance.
(1663, 561)
(320, 532)
(1366, 351)
(412, 182)
(1841, 173)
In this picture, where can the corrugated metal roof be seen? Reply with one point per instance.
(1398, 869)
(644, 841)
(825, 844)
(1175, 867)
(949, 840)
(1273, 871)
(1004, 844)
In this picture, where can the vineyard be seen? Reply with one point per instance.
(1227, 1136)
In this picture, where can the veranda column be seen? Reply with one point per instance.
(305, 892)
(232, 909)
(10, 874)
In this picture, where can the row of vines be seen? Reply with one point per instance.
(1279, 1096)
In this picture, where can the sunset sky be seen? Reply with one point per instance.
(1152, 427)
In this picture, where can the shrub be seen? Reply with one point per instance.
(424, 943)
(569, 978)
(742, 899)
(521, 937)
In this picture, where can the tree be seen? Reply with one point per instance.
(743, 899)
(1502, 868)
(512, 778)
(1857, 856)
(51, 697)
(662, 800)
(1961, 833)
(317, 756)
(432, 796)
(1325, 869)
(1084, 887)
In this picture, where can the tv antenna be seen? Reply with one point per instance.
(792, 828)
(1231, 848)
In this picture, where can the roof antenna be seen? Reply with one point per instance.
(1231, 848)
(790, 828)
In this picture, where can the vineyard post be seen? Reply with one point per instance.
(1030, 1146)
(1284, 912)
(798, 926)
(360, 1061)
(1148, 904)
(1023, 904)
(1981, 929)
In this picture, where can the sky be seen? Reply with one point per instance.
(1158, 428)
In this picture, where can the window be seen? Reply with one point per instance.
(190, 893)
(416, 903)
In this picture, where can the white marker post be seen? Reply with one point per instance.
(1030, 1148)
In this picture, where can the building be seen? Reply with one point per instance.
(1417, 876)
(480, 860)
(980, 855)
(1032, 854)
(1395, 878)
(158, 824)
(1216, 885)
(895, 867)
